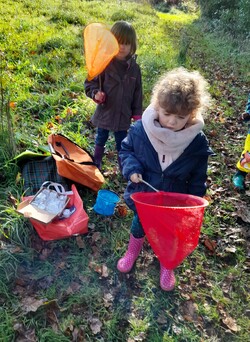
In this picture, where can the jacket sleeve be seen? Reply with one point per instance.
(91, 87)
(129, 161)
(137, 98)
(197, 180)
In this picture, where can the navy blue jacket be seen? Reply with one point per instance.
(187, 174)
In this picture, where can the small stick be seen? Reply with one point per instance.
(143, 181)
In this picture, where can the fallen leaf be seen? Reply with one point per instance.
(96, 236)
(12, 104)
(69, 111)
(58, 119)
(189, 311)
(140, 337)
(222, 120)
(228, 320)
(122, 210)
(50, 125)
(230, 249)
(101, 269)
(108, 299)
(91, 226)
(78, 334)
(105, 271)
(96, 252)
(95, 325)
(23, 334)
(213, 133)
(61, 265)
(53, 320)
(227, 283)
(16, 249)
(244, 213)
(45, 253)
(162, 319)
(73, 288)
(210, 244)
(177, 330)
(80, 242)
(94, 266)
(231, 324)
(31, 304)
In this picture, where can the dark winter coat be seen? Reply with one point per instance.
(187, 174)
(123, 89)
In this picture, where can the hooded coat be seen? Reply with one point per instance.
(121, 82)
(187, 174)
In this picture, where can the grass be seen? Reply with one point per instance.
(42, 76)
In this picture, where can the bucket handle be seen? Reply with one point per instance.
(143, 181)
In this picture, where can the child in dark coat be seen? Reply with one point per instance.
(243, 165)
(120, 98)
(167, 149)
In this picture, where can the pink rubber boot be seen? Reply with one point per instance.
(126, 263)
(167, 279)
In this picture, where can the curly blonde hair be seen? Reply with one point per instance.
(180, 91)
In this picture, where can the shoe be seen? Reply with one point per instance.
(126, 263)
(239, 181)
(167, 279)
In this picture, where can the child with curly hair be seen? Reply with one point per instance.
(167, 149)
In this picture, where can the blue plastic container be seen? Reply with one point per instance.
(105, 202)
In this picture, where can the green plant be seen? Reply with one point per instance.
(232, 17)
(6, 120)
(6, 325)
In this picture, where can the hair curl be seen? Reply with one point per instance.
(180, 91)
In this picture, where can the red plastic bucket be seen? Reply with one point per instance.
(171, 222)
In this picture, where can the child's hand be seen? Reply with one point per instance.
(136, 178)
(100, 97)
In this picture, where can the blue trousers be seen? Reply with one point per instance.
(136, 228)
(103, 134)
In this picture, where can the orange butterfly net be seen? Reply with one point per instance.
(100, 47)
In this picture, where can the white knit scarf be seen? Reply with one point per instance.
(169, 144)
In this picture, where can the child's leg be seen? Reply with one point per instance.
(119, 136)
(136, 240)
(100, 141)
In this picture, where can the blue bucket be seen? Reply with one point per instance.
(105, 202)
